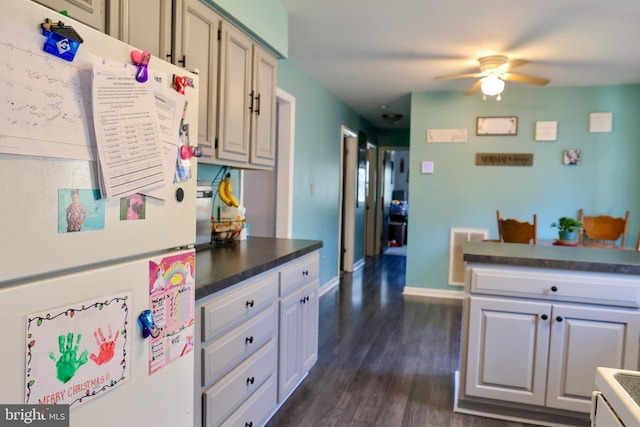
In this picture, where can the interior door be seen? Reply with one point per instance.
(350, 155)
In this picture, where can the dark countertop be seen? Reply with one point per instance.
(222, 265)
(620, 261)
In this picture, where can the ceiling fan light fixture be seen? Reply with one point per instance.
(492, 85)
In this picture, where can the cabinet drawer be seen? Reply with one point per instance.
(556, 285)
(299, 273)
(226, 395)
(225, 353)
(230, 310)
(257, 409)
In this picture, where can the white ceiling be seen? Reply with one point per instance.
(375, 52)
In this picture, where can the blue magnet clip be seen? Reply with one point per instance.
(62, 41)
(148, 325)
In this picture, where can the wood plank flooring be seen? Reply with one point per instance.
(384, 360)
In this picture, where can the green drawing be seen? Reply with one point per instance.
(67, 364)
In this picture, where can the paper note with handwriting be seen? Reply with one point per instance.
(45, 102)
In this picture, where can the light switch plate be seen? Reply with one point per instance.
(426, 167)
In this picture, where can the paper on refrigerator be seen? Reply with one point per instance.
(130, 152)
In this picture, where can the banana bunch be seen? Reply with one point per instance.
(225, 192)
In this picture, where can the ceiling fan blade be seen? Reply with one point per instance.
(521, 78)
(473, 89)
(514, 63)
(460, 76)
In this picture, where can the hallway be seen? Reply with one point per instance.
(384, 360)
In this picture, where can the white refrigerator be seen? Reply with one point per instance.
(77, 270)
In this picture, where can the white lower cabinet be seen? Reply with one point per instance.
(298, 337)
(258, 339)
(543, 352)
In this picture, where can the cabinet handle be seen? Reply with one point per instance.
(258, 104)
(249, 424)
(544, 317)
(251, 102)
(305, 273)
(248, 340)
(559, 319)
(250, 380)
(554, 289)
(302, 301)
(183, 61)
(306, 299)
(169, 56)
(250, 303)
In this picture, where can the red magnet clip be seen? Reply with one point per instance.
(181, 82)
(187, 152)
(141, 59)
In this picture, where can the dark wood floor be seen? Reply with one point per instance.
(384, 359)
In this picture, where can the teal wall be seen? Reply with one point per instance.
(460, 194)
(319, 117)
(266, 20)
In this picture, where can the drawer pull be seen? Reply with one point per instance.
(250, 380)
(249, 424)
(544, 317)
(305, 273)
(559, 319)
(250, 303)
(248, 340)
(554, 289)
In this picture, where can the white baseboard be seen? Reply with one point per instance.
(432, 293)
(333, 283)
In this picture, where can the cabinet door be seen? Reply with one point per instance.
(263, 116)
(236, 99)
(583, 338)
(90, 12)
(289, 372)
(196, 47)
(146, 24)
(507, 350)
(309, 330)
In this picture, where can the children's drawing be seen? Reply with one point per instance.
(63, 365)
(172, 300)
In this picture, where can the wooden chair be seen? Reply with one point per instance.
(603, 230)
(514, 231)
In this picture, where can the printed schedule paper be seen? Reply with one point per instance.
(130, 152)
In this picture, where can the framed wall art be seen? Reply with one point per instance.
(507, 125)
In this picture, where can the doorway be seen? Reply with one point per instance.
(392, 221)
(268, 194)
(347, 208)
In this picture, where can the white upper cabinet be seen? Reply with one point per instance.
(90, 12)
(247, 99)
(236, 100)
(196, 47)
(146, 24)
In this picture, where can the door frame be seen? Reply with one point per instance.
(285, 143)
(371, 239)
(347, 199)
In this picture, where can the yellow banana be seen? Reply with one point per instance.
(222, 191)
(228, 190)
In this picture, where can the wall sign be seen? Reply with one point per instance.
(504, 159)
(497, 125)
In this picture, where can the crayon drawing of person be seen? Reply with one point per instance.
(76, 212)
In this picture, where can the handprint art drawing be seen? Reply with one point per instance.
(68, 364)
(106, 346)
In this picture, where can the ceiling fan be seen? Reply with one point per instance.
(494, 71)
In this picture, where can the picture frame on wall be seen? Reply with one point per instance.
(502, 125)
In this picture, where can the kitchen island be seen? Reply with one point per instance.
(256, 329)
(538, 321)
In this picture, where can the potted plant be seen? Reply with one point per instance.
(567, 228)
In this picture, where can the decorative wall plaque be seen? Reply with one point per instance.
(504, 159)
